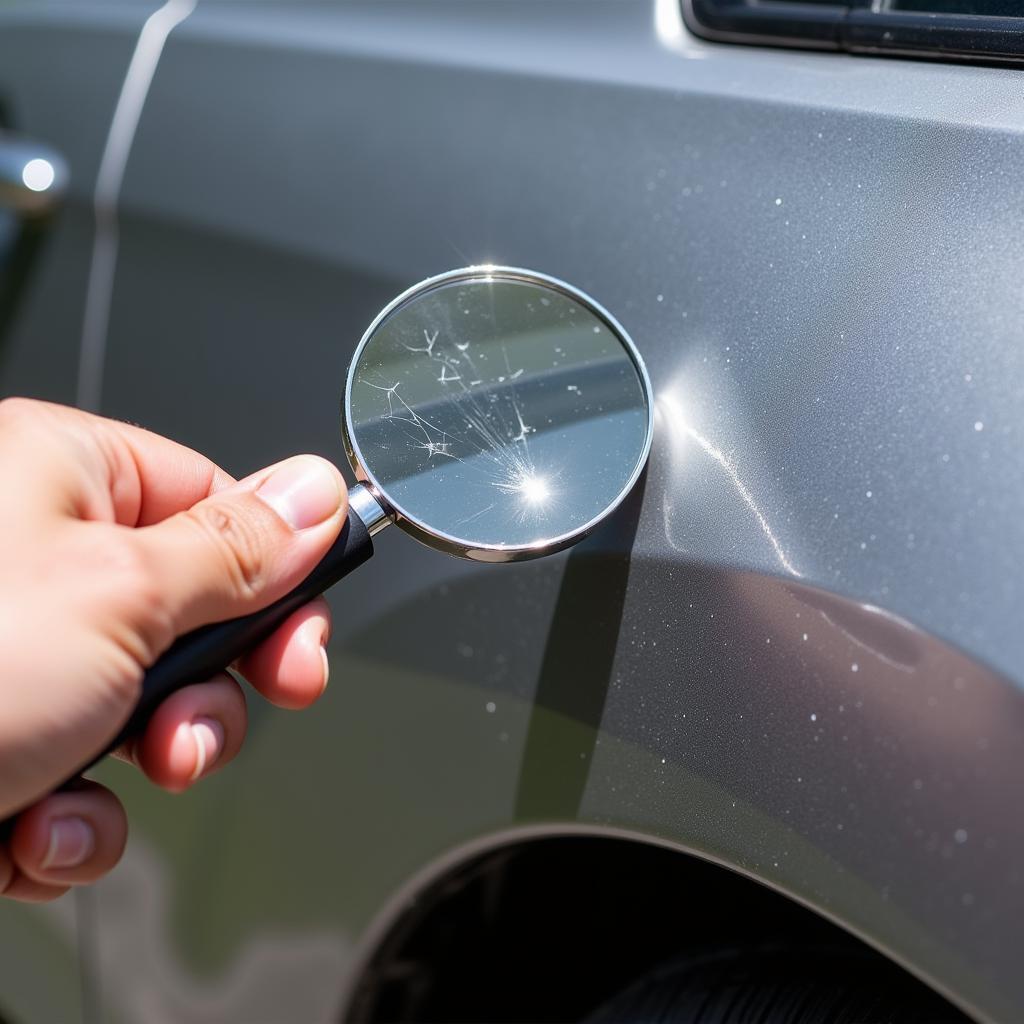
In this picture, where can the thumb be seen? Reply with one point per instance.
(245, 546)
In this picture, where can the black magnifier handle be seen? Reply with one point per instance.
(196, 656)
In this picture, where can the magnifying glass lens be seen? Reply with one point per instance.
(497, 414)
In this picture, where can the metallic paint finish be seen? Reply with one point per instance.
(810, 660)
(816, 256)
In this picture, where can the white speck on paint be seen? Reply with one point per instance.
(491, 707)
(960, 835)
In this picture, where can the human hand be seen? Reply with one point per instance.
(113, 542)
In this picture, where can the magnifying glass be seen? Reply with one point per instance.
(492, 413)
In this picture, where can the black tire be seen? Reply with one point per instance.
(768, 985)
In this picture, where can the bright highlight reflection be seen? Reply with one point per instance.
(671, 31)
(38, 175)
(678, 426)
(534, 489)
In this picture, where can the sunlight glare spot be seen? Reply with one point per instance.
(534, 489)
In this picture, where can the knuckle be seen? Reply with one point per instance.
(122, 559)
(238, 542)
(127, 568)
(15, 410)
(132, 579)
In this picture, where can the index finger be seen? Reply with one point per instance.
(171, 476)
(101, 469)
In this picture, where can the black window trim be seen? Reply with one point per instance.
(859, 29)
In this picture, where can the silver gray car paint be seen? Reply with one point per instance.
(812, 660)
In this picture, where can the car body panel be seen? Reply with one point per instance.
(796, 651)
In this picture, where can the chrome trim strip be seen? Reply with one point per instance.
(103, 263)
(369, 508)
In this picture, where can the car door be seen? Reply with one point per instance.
(795, 653)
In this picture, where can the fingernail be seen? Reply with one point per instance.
(327, 666)
(208, 736)
(71, 843)
(303, 491)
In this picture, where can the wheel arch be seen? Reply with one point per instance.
(428, 889)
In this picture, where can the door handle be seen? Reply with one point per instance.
(33, 176)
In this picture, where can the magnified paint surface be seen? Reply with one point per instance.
(498, 412)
